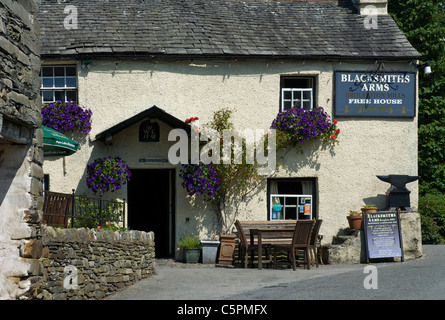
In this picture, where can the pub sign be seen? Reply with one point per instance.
(375, 94)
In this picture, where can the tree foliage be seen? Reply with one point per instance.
(423, 22)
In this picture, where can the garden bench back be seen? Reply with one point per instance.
(243, 227)
(57, 209)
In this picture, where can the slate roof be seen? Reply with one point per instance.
(324, 29)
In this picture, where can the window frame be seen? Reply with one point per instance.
(293, 90)
(313, 196)
(55, 88)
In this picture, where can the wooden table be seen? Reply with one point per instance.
(270, 236)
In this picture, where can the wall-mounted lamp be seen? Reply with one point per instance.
(86, 64)
(427, 67)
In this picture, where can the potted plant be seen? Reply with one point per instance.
(355, 219)
(369, 208)
(191, 247)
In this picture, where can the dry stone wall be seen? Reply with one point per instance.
(91, 264)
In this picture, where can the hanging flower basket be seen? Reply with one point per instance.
(200, 179)
(107, 174)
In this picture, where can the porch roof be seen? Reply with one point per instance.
(152, 112)
(298, 29)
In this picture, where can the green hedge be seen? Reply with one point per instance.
(432, 213)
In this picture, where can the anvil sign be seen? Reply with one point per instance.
(398, 192)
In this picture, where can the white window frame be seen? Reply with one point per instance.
(55, 88)
(295, 92)
(297, 206)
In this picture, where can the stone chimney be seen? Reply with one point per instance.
(367, 7)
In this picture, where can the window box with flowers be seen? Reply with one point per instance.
(296, 126)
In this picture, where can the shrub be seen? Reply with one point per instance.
(189, 242)
(90, 213)
(432, 212)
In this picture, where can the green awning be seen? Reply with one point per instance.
(57, 144)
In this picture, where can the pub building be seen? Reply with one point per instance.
(147, 66)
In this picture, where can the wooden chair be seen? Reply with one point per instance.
(300, 241)
(314, 244)
(245, 247)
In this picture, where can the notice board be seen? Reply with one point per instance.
(383, 238)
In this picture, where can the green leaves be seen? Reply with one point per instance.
(423, 22)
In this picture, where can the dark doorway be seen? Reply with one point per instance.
(151, 206)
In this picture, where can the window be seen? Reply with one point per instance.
(291, 199)
(297, 92)
(59, 83)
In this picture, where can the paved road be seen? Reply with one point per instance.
(420, 279)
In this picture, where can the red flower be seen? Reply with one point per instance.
(337, 131)
(333, 136)
(335, 121)
(187, 120)
(196, 118)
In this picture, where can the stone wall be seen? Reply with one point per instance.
(89, 264)
(20, 101)
(21, 140)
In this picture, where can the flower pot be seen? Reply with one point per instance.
(369, 210)
(209, 250)
(355, 222)
(192, 255)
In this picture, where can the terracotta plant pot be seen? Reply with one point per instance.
(355, 222)
(369, 210)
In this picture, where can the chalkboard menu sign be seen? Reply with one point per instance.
(383, 237)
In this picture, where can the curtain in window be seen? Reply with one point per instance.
(274, 190)
(307, 187)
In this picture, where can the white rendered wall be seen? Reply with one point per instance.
(346, 175)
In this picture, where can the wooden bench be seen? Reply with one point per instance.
(57, 209)
(245, 246)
